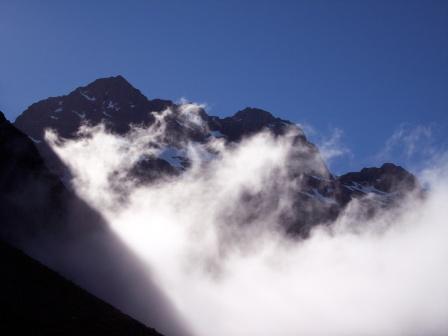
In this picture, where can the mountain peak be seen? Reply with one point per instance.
(390, 167)
(112, 100)
(118, 80)
(250, 113)
(108, 86)
(386, 178)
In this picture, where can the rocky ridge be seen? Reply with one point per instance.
(116, 103)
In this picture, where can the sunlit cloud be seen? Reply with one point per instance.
(213, 238)
(331, 144)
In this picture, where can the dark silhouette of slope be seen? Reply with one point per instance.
(39, 215)
(34, 201)
(37, 301)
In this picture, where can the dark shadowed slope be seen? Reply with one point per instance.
(34, 201)
(50, 223)
(37, 301)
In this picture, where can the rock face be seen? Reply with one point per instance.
(118, 105)
(247, 122)
(388, 178)
(32, 199)
(38, 301)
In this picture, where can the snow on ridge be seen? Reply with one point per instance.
(365, 189)
(320, 178)
(34, 140)
(217, 134)
(174, 156)
(59, 109)
(318, 196)
(87, 97)
(82, 115)
(54, 117)
(110, 104)
(107, 114)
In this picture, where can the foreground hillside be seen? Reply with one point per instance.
(37, 301)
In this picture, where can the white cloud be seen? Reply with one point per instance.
(331, 144)
(331, 147)
(211, 238)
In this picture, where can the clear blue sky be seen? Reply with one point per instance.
(365, 67)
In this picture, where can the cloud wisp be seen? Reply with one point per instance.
(213, 240)
(409, 144)
(331, 145)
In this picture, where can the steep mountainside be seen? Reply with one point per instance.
(40, 216)
(32, 199)
(37, 301)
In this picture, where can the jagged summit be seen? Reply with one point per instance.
(112, 100)
(118, 79)
(108, 82)
(117, 88)
(254, 114)
(248, 121)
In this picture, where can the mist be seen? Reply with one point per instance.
(214, 240)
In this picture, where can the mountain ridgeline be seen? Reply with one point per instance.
(116, 103)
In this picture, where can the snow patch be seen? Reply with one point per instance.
(87, 97)
(320, 178)
(314, 193)
(59, 109)
(34, 140)
(111, 105)
(175, 157)
(217, 134)
(107, 114)
(365, 189)
(54, 117)
(82, 115)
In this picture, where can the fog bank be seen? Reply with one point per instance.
(227, 265)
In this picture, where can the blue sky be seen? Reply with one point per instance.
(357, 72)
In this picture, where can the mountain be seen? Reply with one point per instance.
(112, 99)
(37, 301)
(40, 214)
(119, 105)
(115, 102)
